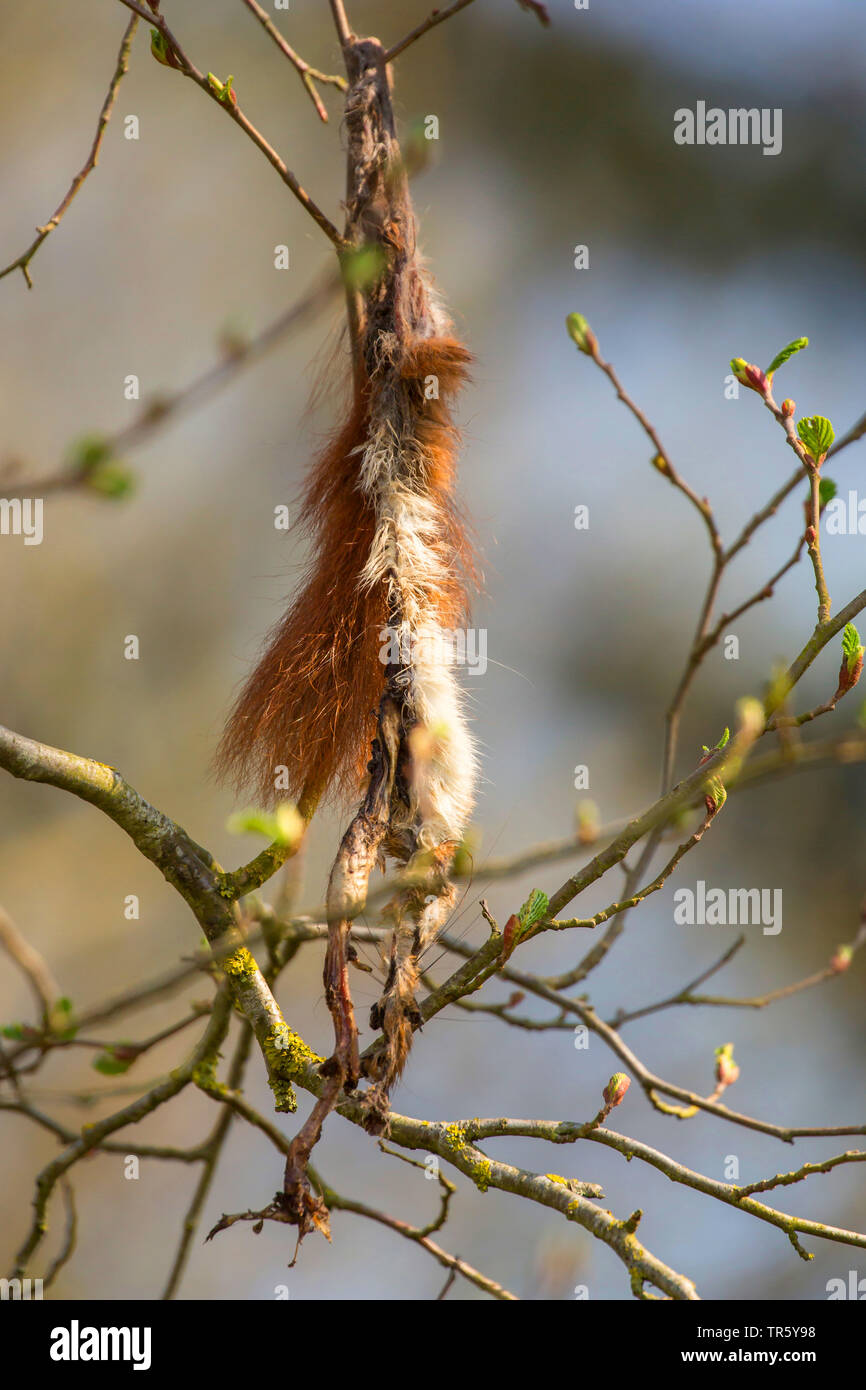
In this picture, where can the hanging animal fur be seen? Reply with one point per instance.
(364, 659)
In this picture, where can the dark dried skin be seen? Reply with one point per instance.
(394, 344)
(379, 209)
(395, 336)
(347, 890)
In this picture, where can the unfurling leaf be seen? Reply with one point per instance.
(581, 334)
(92, 462)
(112, 479)
(61, 1019)
(851, 648)
(615, 1090)
(727, 1070)
(533, 910)
(715, 796)
(826, 491)
(284, 826)
(587, 822)
(750, 718)
(841, 959)
(160, 49)
(817, 433)
(852, 661)
(88, 453)
(716, 746)
(749, 375)
(223, 90)
(114, 1061)
(787, 352)
(363, 267)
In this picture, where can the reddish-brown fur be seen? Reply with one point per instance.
(310, 704)
(448, 361)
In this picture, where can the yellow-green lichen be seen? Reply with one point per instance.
(454, 1136)
(205, 1076)
(286, 1054)
(285, 1099)
(481, 1174)
(240, 962)
(478, 1169)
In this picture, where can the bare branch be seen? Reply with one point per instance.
(93, 1134)
(22, 263)
(217, 92)
(309, 76)
(28, 959)
(335, 1202)
(436, 17)
(162, 410)
(70, 1236)
(341, 23)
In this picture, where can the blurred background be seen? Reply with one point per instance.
(549, 139)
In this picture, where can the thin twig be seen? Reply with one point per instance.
(309, 76)
(341, 23)
(188, 68)
(436, 17)
(22, 263)
(28, 959)
(213, 1149)
(334, 1201)
(158, 413)
(70, 1236)
(662, 458)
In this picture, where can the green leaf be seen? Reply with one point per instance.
(88, 453)
(91, 462)
(284, 826)
(61, 1020)
(817, 434)
(363, 267)
(721, 743)
(109, 1065)
(851, 648)
(159, 48)
(827, 490)
(716, 792)
(580, 333)
(533, 910)
(787, 352)
(13, 1031)
(112, 479)
(224, 90)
